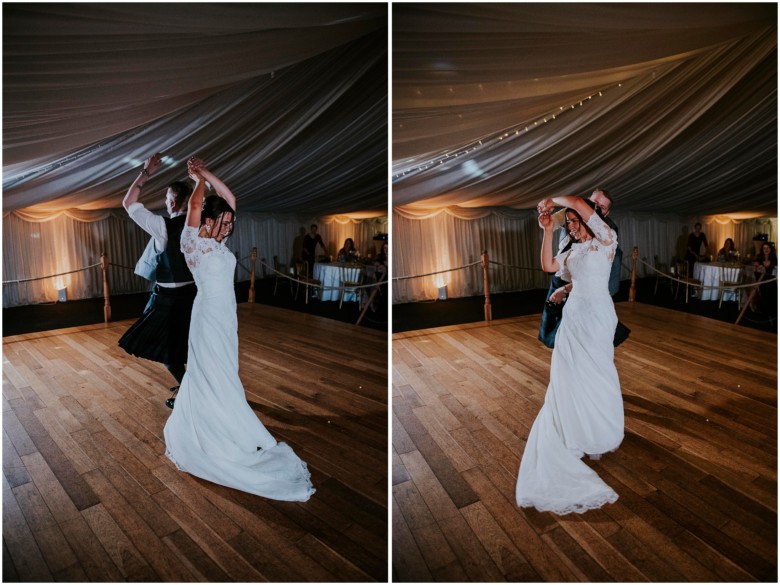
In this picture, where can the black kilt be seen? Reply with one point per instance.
(551, 315)
(162, 333)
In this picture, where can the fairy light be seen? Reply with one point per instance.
(499, 137)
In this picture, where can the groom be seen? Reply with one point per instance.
(162, 332)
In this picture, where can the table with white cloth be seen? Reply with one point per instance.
(332, 274)
(711, 274)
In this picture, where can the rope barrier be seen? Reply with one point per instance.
(438, 271)
(323, 287)
(514, 266)
(121, 266)
(710, 286)
(50, 276)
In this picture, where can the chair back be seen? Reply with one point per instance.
(681, 267)
(727, 271)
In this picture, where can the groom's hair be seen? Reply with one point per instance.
(181, 192)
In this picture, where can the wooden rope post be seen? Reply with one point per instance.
(486, 285)
(106, 303)
(251, 298)
(632, 290)
(753, 291)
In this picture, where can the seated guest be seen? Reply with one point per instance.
(766, 259)
(380, 262)
(348, 252)
(766, 263)
(728, 252)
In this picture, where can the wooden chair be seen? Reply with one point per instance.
(280, 268)
(681, 268)
(727, 286)
(662, 271)
(302, 276)
(349, 287)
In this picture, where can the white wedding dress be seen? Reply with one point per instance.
(583, 407)
(212, 432)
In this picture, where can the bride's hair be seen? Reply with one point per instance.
(213, 207)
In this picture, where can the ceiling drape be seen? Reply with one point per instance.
(286, 103)
(673, 107)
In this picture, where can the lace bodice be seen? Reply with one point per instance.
(587, 265)
(211, 262)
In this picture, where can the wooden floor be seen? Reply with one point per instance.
(88, 494)
(696, 474)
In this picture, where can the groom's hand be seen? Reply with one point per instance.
(153, 163)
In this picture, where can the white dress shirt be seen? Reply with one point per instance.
(154, 225)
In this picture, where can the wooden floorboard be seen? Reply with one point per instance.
(88, 494)
(696, 474)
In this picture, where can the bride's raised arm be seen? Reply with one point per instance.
(195, 204)
(221, 189)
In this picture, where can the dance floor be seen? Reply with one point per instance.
(696, 474)
(88, 494)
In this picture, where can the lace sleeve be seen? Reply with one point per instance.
(189, 245)
(604, 234)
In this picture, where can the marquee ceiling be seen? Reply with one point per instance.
(671, 107)
(286, 102)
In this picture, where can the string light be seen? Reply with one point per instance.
(441, 159)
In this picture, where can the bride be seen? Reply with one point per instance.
(213, 432)
(583, 407)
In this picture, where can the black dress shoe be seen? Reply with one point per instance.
(169, 402)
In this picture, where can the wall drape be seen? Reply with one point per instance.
(35, 247)
(446, 239)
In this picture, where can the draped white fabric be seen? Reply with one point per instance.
(442, 240)
(672, 107)
(73, 241)
(288, 103)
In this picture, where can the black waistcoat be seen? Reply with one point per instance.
(172, 266)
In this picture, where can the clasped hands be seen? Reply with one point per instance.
(194, 166)
(545, 208)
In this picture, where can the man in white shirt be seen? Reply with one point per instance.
(162, 332)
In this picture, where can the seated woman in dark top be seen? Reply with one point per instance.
(766, 263)
(380, 262)
(766, 259)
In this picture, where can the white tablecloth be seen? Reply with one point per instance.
(332, 275)
(711, 273)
